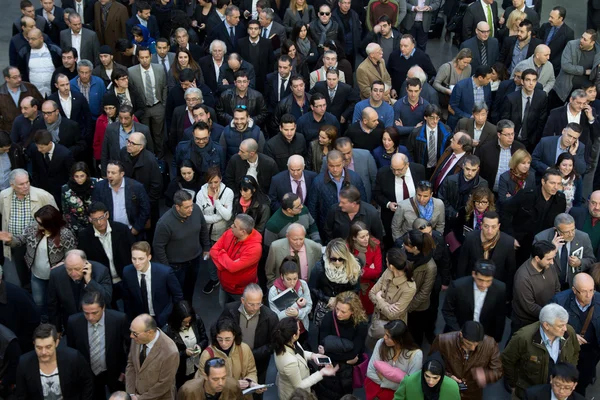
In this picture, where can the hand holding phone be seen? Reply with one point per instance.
(323, 360)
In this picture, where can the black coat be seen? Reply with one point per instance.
(116, 336)
(197, 51)
(271, 92)
(74, 373)
(237, 169)
(121, 239)
(259, 210)
(475, 14)
(338, 223)
(280, 185)
(355, 28)
(220, 32)
(536, 119)
(544, 392)
(152, 26)
(506, 53)
(285, 107)
(51, 177)
(267, 320)
(54, 27)
(88, 11)
(489, 154)
(279, 149)
(257, 109)
(146, 171)
(111, 147)
(266, 59)
(557, 121)
(201, 341)
(459, 306)
(344, 101)
(208, 71)
(69, 135)
(80, 113)
(453, 199)
(558, 42)
(19, 313)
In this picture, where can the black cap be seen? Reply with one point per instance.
(473, 331)
(105, 50)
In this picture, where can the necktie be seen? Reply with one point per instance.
(490, 20)
(148, 90)
(442, 173)
(144, 290)
(595, 221)
(47, 158)
(95, 356)
(523, 134)
(564, 264)
(551, 35)
(143, 354)
(405, 194)
(483, 52)
(331, 94)
(80, 11)
(431, 149)
(282, 89)
(231, 33)
(162, 61)
(265, 33)
(299, 190)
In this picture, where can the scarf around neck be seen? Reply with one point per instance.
(322, 30)
(335, 275)
(518, 178)
(53, 129)
(426, 211)
(362, 253)
(281, 286)
(489, 245)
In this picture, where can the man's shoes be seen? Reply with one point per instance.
(210, 286)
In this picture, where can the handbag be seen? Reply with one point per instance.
(359, 371)
(320, 310)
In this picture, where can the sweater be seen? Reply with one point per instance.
(178, 240)
(278, 223)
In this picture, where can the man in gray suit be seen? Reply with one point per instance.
(479, 128)
(163, 56)
(84, 40)
(271, 29)
(151, 81)
(539, 61)
(574, 249)
(295, 244)
(418, 19)
(410, 209)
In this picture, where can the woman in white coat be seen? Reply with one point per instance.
(291, 360)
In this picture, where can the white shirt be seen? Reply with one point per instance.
(41, 69)
(217, 68)
(285, 85)
(153, 100)
(76, 41)
(66, 104)
(253, 169)
(478, 299)
(457, 158)
(573, 118)
(45, 13)
(142, 21)
(51, 152)
(106, 242)
(150, 345)
(148, 276)
(477, 132)
(399, 188)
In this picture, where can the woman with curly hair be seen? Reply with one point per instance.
(319, 148)
(519, 176)
(470, 217)
(77, 196)
(368, 251)
(342, 337)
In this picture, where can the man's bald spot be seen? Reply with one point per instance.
(399, 160)
(594, 196)
(583, 282)
(296, 229)
(368, 112)
(250, 145)
(541, 48)
(296, 161)
(137, 137)
(34, 33)
(482, 25)
(142, 320)
(26, 101)
(27, 21)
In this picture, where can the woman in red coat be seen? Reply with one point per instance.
(368, 250)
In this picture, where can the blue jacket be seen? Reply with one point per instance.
(164, 287)
(231, 139)
(567, 300)
(384, 160)
(148, 41)
(323, 194)
(384, 111)
(211, 155)
(137, 202)
(420, 150)
(97, 91)
(462, 100)
(544, 156)
(410, 118)
(21, 129)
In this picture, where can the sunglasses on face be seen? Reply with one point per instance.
(338, 259)
(324, 13)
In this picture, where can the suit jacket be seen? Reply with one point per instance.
(152, 26)
(116, 27)
(90, 45)
(111, 148)
(69, 135)
(409, 20)
(80, 112)
(197, 51)
(367, 73)
(61, 300)
(88, 11)
(581, 240)
(271, 92)
(459, 306)
(364, 166)
(508, 45)
(570, 67)
(536, 117)
(280, 248)
(279, 30)
(135, 76)
(170, 57)
(137, 203)
(557, 121)
(51, 177)
(100, 72)
(165, 289)
(405, 216)
(208, 71)
(561, 37)
(544, 156)
(74, 373)
(54, 27)
(440, 166)
(265, 62)
(220, 32)
(544, 392)
(475, 14)
(493, 51)
(116, 340)
(155, 379)
(280, 185)
(342, 104)
(489, 163)
(489, 131)
(462, 100)
(237, 168)
(121, 240)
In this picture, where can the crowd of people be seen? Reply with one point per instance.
(337, 189)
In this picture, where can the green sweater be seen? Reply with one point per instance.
(279, 222)
(410, 388)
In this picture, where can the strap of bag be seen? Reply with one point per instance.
(588, 319)
(335, 323)
(414, 206)
(211, 353)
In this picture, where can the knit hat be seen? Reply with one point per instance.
(473, 331)
(110, 99)
(105, 50)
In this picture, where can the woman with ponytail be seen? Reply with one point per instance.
(291, 360)
(419, 247)
(431, 383)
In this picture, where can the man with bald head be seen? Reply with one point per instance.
(296, 179)
(428, 92)
(581, 300)
(248, 161)
(586, 220)
(64, 130)
(69, 281)
(366, 133)
(452, 160)
(39, 68)
(540, 62)
(484, 46)
(19, 40)
(150, 345)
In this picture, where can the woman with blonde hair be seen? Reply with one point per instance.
(338, 272)
(511, 28)
(298, 11)
(453, 71)
(342, 336)
(319, 148)
(517, 177)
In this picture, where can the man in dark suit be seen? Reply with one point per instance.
(341, 97)
(85, 9)
(556, 34)
(68, 283)
(143, 17)
(516, 44)
(463, 301)
(277, 84)
(282, 182)
(394, 184)
(483, 46)
(530, 14)
(149, 287)
(258, 51)
(51, 164)
(230, 30)
(478, 127)
(476, 13)
(75, 377)
(564, 379)
(462, 98)
(55, 19)
(238, 166)
(427, 142)
(163, 56)
(271, 29)
(527, 108)
(66, 130)
(88, 45)
(73, 105)
(133, 205)
(452, 159)
(547, 150)
(102, 337)
(211, 64)
(183, 40)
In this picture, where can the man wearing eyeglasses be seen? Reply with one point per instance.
(241, 97)
(581, 301)
(484, 47)
(548, 149)
(564, 380)
(216, 384)
(323, 28)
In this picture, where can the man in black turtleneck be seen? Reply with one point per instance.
(349, 22)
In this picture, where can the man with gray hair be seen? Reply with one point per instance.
(427, 91)
(295, 179)
(574, 249)
(182, 116)
(91, 87)
(533, 350)
(69, 281)
(373, 69)
(330, 60)
(211, 63)
(84, 40)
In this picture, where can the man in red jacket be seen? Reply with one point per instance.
(236, 255)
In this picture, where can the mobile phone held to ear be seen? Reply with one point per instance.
(323, 360)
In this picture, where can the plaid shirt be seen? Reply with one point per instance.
(505, 156)
(84, 89)
(20, 214)
(478, 95)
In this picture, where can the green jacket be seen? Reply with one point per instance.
(410, 388)
(526, 360)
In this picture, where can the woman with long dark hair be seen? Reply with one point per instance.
(319, 147)
(187, 179)
(252, 201)
(470, 217)
(368, 251)
(186, 329)
(431, 383)
(77, 196)
(291, 360)
(395, 356)
(183, 59)
(299, 61)
(304, 44)
(572, 185)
